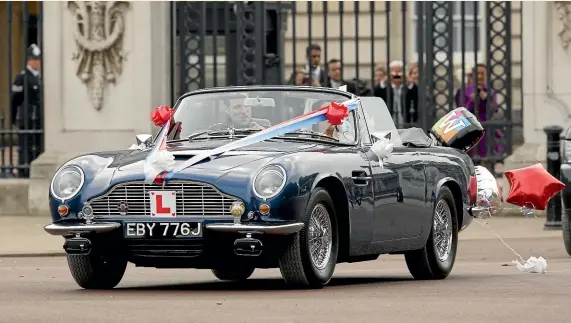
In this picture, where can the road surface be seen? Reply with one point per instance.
(480, 289)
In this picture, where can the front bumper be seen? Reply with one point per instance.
(104, 227)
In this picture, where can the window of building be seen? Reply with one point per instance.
(473, 25)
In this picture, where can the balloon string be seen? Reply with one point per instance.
(485, 225)
(526, 211)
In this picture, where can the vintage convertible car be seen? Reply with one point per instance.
(301, 201)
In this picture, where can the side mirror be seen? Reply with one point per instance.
(144, 139)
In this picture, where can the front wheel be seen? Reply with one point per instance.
(97, 270)
(233, 274)
(436, 259)
(310, 258)
(566, 227)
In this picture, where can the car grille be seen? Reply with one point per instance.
(193, 199)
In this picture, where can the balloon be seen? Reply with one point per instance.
(532, 187)
(487, 199)
(459, 129)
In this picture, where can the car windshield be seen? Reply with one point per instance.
(221, 114)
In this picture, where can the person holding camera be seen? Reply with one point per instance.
(301, 78)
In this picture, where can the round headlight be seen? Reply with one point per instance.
(269, 182)
(67, 182)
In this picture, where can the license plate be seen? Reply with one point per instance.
(163, 230)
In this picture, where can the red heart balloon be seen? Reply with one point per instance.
(336, 112)
(161, 115)
(532, 187)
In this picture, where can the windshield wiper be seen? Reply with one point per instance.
(222, 133)
(310, 133)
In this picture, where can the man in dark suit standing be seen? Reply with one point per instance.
(315, 74)
(401, 99)
(334, 80)
(26, 109)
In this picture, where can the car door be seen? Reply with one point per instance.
(361, 201)
(407, 208)
(385, 187)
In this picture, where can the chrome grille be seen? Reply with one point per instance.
(193, 199)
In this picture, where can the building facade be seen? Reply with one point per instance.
(153, 51)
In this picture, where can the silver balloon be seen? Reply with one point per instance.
(489, 200)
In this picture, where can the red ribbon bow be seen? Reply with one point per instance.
(336, 112)
(161, 115)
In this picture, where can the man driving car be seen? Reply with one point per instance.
(240, 116)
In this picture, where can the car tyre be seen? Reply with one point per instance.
(298, 267)
(97, 270)
(233, 273)
(566, 227)
(436, 259)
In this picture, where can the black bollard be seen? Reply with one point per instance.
(553, 161)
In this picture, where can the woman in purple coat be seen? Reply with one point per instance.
(474, 97)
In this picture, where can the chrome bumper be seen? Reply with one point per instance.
(102, 227)
(66, 229)
(250, 228)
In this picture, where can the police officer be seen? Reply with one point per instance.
(26, 109)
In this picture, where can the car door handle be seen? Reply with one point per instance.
(360, 178)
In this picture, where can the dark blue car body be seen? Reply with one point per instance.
(381, 209)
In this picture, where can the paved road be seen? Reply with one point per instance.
(480, 289)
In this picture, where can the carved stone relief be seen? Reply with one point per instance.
(98, 32)
(563, 9)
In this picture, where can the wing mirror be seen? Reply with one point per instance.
(144, 140)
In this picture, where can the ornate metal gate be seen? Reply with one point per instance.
(238, 43)
(438, 82)
(21, 95)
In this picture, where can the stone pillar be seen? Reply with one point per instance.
(73, 123)
(546, 63)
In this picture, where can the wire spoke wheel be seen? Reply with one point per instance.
(320, 237)
(442, 227)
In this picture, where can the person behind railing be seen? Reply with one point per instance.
(412, 74)
(401, 100)
(26, 109)
(314, 71)
(475, 98)
(380, 76)
(334, 79)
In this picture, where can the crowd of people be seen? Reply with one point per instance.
(400, 93)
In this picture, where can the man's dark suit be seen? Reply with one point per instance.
(409, 95)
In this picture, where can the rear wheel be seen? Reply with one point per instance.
(310, 259)
(233, 274)
(97, 270)
(436, 259)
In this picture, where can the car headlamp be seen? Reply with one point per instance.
(269, 182)
(67, 182)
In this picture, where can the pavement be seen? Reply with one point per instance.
(25, 236)
(481, 288)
